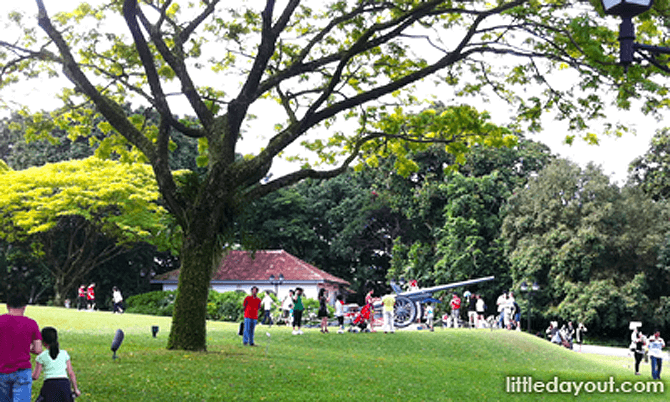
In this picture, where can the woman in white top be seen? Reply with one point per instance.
(286, 306)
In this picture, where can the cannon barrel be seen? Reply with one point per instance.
(434, 289)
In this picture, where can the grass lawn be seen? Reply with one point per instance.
(445, 365)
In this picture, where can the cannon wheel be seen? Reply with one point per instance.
(404, 312)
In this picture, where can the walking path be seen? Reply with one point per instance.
(603, 350)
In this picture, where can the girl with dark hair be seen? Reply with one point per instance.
(323, 310)
(298, 308)
(57, 368)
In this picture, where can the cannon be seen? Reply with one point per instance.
(406, 310)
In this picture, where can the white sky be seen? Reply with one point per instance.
(613, 154)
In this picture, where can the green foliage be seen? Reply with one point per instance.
(153, 303)
(323, 65)
(591, 246)
(338, 225)
(227, 306)
(650, 171)
(456, 217)
(119, 199)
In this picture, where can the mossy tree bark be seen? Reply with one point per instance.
(188, 331)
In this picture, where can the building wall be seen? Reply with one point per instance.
(311, 290)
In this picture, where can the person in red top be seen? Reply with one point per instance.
(81, 297)
(251, 306)
(19, 336)
(90, 296)
(455, 309)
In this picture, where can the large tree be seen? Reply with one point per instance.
(318, 60)
(591, 246)
(80, 214)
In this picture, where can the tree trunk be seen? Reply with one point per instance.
(58, 290)
(198, 257)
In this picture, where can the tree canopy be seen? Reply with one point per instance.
(591, 246)
(323, 64)
(69, 211)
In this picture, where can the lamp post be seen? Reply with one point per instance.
(627, 9)
(277, 282)
(531, 292)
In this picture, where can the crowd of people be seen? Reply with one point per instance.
(566, 335)
(507, 317)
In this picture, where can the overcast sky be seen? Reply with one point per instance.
(613, 154)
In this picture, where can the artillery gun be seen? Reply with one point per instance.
(407, 304)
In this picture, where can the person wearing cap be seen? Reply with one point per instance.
(19, 337)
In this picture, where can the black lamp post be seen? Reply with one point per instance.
(531, 292)
(627, 9)
(277, 282)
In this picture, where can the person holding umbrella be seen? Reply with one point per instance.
(430, 312)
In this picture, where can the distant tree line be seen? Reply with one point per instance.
(600, 252)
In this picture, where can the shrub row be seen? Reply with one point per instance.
(226, 306)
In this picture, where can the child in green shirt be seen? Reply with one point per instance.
(57, 368)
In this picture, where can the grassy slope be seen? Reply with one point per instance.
(406, 366)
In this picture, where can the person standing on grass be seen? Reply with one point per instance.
(638, 341)
(117, 299)
(656, 345)
(481, 311)
(430, 316)
(267, 308)
(388, 308)
(19, 337)
(472, 311)
(455, 305)
(323, 310)
(298, 308)
(287, 306)
(251, 306)
(57, 368)
(501, 303)
(90, 296)
(369, 301)
(81, 298)
(579, 334)
(339, 313)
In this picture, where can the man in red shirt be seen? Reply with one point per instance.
(251, 306)
(19, 336)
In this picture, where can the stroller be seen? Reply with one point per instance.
(359, 323)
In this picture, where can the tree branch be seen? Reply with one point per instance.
(177, 64)
(111, 110)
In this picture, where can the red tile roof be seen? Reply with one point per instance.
(240, 266)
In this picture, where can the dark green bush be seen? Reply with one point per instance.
(152, 303)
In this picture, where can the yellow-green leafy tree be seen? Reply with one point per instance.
(79, 214)
(340, 73)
